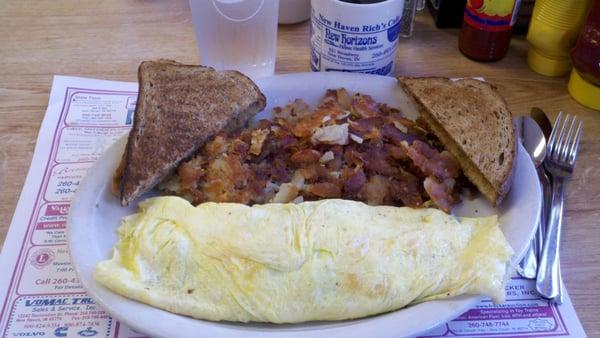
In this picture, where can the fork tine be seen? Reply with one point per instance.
(561, 138)
(566, 144)
(551, 142)
(575, 145)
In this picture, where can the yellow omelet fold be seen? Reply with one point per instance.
(289, 263)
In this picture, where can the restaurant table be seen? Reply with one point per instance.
(108, 39)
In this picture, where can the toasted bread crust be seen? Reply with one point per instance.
(179, 107)
(491, 170)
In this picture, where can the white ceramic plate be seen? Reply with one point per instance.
(95, 215)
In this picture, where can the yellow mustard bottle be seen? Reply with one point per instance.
(553, 30)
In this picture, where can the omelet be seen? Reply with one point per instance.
(288, 263)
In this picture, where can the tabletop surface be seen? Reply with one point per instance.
(108, 39)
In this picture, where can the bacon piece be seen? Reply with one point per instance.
(353, 180)
(334, 177)
(305, 156)
(452, 168)
(313, 172)
(376, 160)
(324, 190)
(367, 128)
(279, 171)
(395, 152)
(364, 106)
(310, 173)
(262, 170)
(405, 187)
(353, 157)
(441, 192)
(394, 135)
(335, 164)
(432, 162)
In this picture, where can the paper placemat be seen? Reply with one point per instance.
(40, 294)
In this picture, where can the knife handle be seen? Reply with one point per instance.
(548, 281)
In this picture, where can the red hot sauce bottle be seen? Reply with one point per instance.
(487, 28)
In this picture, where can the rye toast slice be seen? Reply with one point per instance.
(473, 122)
(179, 108)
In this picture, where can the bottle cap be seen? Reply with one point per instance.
(548, 66)
(583, 91)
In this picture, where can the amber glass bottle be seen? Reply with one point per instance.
(487, 29)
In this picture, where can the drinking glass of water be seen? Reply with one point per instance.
(237, 34)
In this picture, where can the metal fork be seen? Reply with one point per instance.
(561, 153)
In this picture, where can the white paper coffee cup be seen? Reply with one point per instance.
(353, 37)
